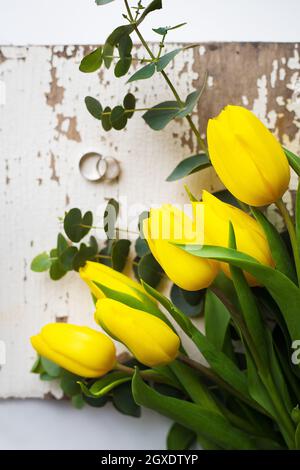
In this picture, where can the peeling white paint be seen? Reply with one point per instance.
(210, 81)
(245, 100)
(274, 73)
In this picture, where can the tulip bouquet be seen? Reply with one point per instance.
(234, 384)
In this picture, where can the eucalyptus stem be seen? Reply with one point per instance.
(142, 109)
(292, 233)
(194, 129)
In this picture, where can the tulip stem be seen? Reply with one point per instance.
(292, 233)
(209, 374)
(148, 374)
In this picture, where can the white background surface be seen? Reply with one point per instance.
(38, 425)
(82, 22)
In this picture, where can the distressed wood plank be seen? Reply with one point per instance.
(44, 129)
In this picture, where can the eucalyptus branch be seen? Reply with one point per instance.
(194, 129)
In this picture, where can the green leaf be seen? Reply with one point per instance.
(216, 314)
(107, 54)
(77, 226)
(160, 115)
(106, 123)
(94, 107)
(162, 31)
(154, 5)
(104, 385)
(78, 401)
(250, 312)
(189, 166)
(91, 62)
(123, 400)
(37, 367)
(110, 217)
(57, 270)
(120, 252)
(278, 248)
(256, 388)
(190, 103)
(180, 438)
(69, 385)
(41, 262)
(196, 418)
(62, 244)
(96, 402)
(297, 437)
(124, 30)
(46, 377)
(122, 67)
(84, 254)
(281, 288)
(142, 74)
(50, 367)
(165, 59)
(141, 247)
(103, 2)
(124, 47)
(118, 118)
(129, 103)
(225, 196)
(67, 257)
(192, 385)
(293, 159)
(149, 270)
(297, 216)
(190, 303)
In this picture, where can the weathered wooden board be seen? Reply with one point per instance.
(44, 129)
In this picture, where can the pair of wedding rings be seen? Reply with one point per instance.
(94, 167)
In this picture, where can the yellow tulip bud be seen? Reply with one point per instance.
(78, 349)
(169, 224)
(247, 157)
(93, 272)
(149, 339)
(250, 237)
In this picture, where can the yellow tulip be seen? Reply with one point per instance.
(93, 273)
(149, 339)
(247, 157)
(169, 224)
(78, 349)
(250, 237)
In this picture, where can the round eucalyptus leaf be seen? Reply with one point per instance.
(106, 122)
(123, 401)
(91, 62)
(122, 66)
(149, 270)
(118, 118)
(57, 270)
(41, 262)
(94, 107)
(129, 103)
(190, 303)
(77, 226)
(120, 252)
